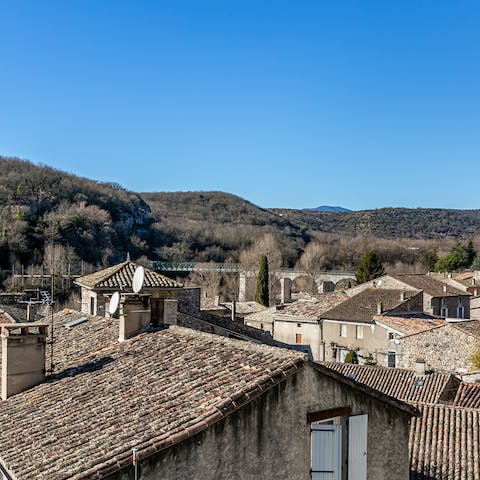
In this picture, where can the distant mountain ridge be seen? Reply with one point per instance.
(100, 222)
(328, 208)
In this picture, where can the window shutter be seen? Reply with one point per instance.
(326, 452)
(357, 447)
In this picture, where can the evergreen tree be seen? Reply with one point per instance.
(262, 294)
(369, 268)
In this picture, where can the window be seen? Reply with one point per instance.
(359, 331)
(392, 360)
(444, 312)
(391, 336)
(343, 330)
(92, 306)
(298, 338)
(461, 312)
(331, 440)
(299, 325)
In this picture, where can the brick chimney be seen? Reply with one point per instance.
(23, 356)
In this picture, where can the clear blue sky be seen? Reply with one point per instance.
(362, 104)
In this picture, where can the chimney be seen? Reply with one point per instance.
(134, 316)
(402, 296)
(419, 366)
(170, 308)
(216, 300)
(23, 356)
(30, 312)
(379, 308)
(445, 288)
(234, 310)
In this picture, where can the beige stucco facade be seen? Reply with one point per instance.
(327, 343)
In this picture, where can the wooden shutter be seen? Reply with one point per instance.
(357, 447)
(326, 451)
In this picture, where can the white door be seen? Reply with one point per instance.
(326, 451)
(357, 447)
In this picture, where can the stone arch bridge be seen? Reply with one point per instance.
(325, 281)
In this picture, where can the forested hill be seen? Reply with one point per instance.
(99, 222)
(431, 223)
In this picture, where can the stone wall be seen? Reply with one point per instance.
(269, 438)
(445, 349)
(189, 300)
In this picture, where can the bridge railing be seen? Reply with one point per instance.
(196, 267)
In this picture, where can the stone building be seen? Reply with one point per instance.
(439, 298)
(193, 405)
(447, 348)
(369, 323)
(445, 441)
(298, 323)
(158, 291)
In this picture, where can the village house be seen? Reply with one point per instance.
(445, 441)
(298, 323)
(448, 348)
(176, 403)
(369, 323)
(439, 298)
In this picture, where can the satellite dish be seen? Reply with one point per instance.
(113, 305)
(138, 278)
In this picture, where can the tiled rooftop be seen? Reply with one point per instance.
(468, 395)
(11, 313)
(402, 384)
(470, 327)
(445, 443)
(139, 393)
(363, 306)
(312, 310)
(429, 285)
(409, 325)
(121, 276)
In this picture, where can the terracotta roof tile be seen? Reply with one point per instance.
(399, 383)
(363, 306)
(409, 325)
(445, 443)
(84, 421)
(120, 277)
(312, 309)
(429, 285)
(470, 327)
(468, 395)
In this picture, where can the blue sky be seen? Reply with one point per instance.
(362, 104)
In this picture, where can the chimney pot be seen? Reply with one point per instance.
(445, 288)
(402, 296)
(379, 308)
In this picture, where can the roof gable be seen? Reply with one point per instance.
(149, 392)
(430, 285)
(120, 277)
(363, 306)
